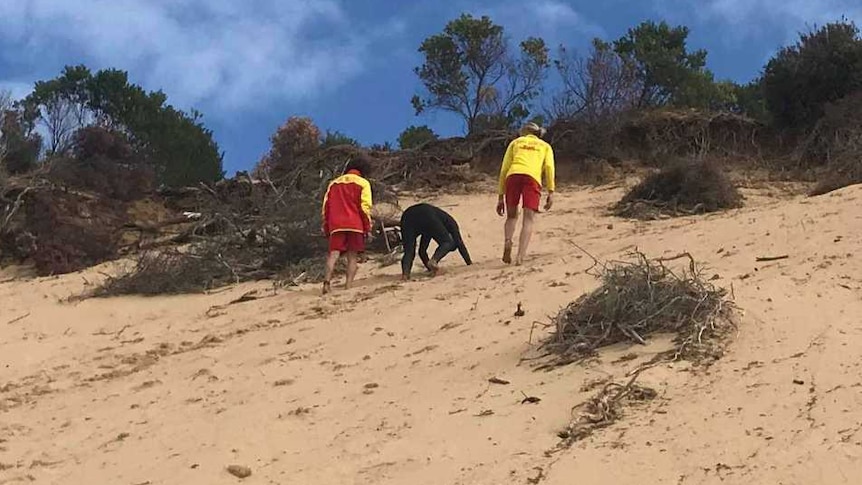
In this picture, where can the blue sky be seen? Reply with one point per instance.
(249, 65)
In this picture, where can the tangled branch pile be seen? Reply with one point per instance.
(169, 272)
(246, 230)
(681, 189)
(452, 164)
(602, 410)
(638, 299)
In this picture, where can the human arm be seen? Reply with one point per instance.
(504, 172)
(366, 203)
(504, 168)
(324, 212)
(550, 176)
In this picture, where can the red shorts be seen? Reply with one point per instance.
(347, 241)
(523, 187)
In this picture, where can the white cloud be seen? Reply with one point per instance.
(16, 90)
(222, 54)
(751, 18)
(553, 20)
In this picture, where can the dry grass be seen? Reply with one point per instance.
(684, 188)
(199, 269)
(835, 143)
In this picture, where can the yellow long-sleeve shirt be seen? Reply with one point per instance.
(528, 155)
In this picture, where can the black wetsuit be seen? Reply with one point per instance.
(429, 222)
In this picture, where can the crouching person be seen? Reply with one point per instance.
(347, 219)
(427, 222)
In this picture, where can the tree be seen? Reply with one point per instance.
(60, 106)
(415, 136)
(181, 148)
(6, 101)
(823, 66)
(469, 71)
(381, 147)
(102, 160)
(19, 143)
(596, 86)
(296, 138)
(664, 66)
(176, 144)
(703, 92)
(336, 138)
(750, 100)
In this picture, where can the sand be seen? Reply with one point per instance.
(387, 383)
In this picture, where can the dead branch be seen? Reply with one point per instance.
(18, 319)
(764, 259)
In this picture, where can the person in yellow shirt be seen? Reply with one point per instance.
(527, 159)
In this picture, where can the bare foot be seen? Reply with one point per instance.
(433, 267)
(507, 253)
(327, 287)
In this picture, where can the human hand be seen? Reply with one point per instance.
(549, 202)
(501, 207)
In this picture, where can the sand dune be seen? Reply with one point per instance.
(388, 382)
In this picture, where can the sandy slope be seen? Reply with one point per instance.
(385, 383)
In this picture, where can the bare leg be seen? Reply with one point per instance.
(526, 233)
(352, 267)
(509, 230)
(330, 268)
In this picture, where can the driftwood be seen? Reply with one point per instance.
(764, 259)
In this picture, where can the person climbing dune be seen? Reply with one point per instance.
(347, 218)
(528, 158)
(428, 222)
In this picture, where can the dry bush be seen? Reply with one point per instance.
(451, 165)
(683, 188)
(296, 139)
(103, 161)
(581, 139)
(203, 267)
(172, 272)
(836, 143)
(843, 173)
(68, 231)
(640, 298)
(591, 171)
(247, 230)
(167, 272)
(585, 149)
(658, 135)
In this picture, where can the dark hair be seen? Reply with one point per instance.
(359, 163)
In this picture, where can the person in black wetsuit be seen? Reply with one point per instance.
(429, 222)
